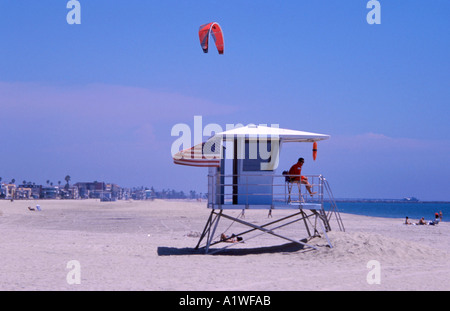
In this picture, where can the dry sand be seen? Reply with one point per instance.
(149, 245)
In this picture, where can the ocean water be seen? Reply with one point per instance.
(414, 210)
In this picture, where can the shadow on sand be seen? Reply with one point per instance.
(284, 248)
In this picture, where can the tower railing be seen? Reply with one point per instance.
(262, 189)
(271, 191)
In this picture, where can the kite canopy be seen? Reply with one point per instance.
(216, 32)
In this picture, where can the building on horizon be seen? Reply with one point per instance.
(90, 190)
(80, 190)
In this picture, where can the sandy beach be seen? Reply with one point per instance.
(149, 245)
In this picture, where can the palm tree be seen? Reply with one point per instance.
(67, 179)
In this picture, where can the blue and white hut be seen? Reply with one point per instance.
(242, 165)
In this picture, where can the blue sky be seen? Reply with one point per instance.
(98, 100)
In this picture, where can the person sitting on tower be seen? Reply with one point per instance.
(295, 173)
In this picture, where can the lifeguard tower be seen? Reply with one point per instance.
(252, 153)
